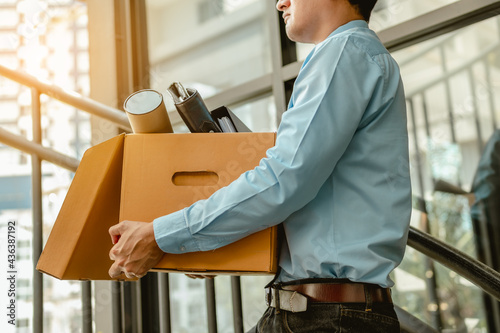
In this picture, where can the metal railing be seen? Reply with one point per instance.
(476, 272)
(66, 96)
(473, 270)
(39, 153)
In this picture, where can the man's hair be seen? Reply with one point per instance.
(364, 7)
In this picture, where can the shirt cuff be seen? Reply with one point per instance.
(172, 234)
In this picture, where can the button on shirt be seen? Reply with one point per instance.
(338, 176)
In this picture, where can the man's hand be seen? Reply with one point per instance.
(135, 251)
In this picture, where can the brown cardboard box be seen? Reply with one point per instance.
(142, 176)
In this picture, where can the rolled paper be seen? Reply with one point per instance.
(147, 113)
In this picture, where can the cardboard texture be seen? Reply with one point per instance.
(142, 176)
(78, 245)
(192, 168)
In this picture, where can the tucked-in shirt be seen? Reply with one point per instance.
(337, 177)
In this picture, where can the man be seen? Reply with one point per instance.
(338, 177)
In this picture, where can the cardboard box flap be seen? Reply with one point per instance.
(79, 243)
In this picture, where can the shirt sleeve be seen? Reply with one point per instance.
(331, 94)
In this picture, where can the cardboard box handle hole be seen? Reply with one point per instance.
(195, 178)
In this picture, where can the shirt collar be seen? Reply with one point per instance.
(342, 28)
(349, 25)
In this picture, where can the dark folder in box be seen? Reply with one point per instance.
(228, 121)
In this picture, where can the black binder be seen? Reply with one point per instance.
(195, 114)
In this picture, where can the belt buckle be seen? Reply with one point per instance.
(291, 301)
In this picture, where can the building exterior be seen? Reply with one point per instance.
(49, 40)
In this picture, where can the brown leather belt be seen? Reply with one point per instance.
(341, 292)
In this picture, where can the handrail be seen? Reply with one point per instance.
(435, 44)
(473, 270)
(455, 71)
(409, 323)
(69, 97)
(27, 146)
(442, 20)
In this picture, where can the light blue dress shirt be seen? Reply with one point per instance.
(338, 175)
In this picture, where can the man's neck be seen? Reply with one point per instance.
(339, 15)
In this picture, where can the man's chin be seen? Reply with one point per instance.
(291, 35)
(296, 38)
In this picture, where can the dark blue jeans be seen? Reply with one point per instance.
(331, 317)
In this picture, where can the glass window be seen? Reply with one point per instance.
(224, 305)
(259, 115)
(253, 299)
(11, 108)
(451, 88)
(451, 85)
(388, 13)
(209, 45)
(82, 38)
(8, 18)
(83, 62)
(188, 304)
(22, 323)
(8, 42)
(454, 305)
(38, 37)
